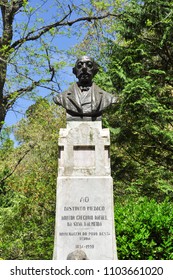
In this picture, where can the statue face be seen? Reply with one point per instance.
(84, 70)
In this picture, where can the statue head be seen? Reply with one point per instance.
(85, 69)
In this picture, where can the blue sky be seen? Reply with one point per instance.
(64, 43)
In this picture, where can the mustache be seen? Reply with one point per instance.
(86, 73)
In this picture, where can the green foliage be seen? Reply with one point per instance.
(142, 127)
(26, 229)
(144, 229)
(27, 201)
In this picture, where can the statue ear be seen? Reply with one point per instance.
(74, 70)
(95, 68)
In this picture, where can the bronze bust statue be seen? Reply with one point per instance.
(84, 99)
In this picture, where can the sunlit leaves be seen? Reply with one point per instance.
(141, 73)
(144, 229)
(27, 203)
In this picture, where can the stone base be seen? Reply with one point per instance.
(84, 215)
(84, 218)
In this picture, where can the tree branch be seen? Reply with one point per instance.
(17, 164)
(39, 32)
(12, 97)
(51, 68)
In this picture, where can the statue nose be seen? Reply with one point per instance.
(84, 67)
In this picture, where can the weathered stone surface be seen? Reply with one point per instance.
(84, 150)
(84, 213)
(85, 217)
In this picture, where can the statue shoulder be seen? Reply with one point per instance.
(71, 89)
(106, 95)
(62, 98)
(100, 90)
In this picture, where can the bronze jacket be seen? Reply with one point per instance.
(70, 100)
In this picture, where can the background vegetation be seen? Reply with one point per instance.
(135, 50)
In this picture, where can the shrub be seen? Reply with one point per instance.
(144, 229)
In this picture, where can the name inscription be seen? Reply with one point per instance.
(85, 223)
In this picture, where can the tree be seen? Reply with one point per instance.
(28, 184)
(144, 229)
(29, 56)
(141, 72)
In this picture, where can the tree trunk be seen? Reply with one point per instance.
(2, 115)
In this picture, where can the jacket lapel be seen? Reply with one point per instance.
(73, 96)
(96, 98)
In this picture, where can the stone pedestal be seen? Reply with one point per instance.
(84, 206)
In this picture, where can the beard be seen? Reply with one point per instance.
(85, 78)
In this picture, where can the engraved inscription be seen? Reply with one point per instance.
(85, 222)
